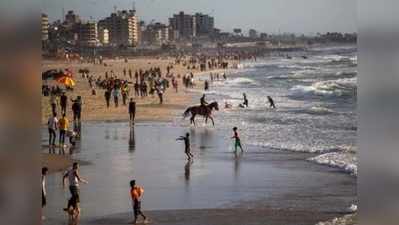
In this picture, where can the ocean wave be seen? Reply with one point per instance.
(318, 110)
(239, 81)
(346, 73)
(346, 161)
(340, 87)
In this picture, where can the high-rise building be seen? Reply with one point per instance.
(157, 34)
(123, 27)
(88, 35)
(253, 33)
(184, 24)
(71, 18)
(45, 27)
(205, 24)
(103, 36)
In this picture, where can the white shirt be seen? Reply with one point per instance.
(44, 184)
(52, 123)
(72, 178)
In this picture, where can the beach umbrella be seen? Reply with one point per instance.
(67, 81)
(49, 74)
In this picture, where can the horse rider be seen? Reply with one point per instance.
(202, 100)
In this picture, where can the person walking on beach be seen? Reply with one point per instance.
(187, 148)
(237, 141)
(52, 127)
(44, 199)
(73, 179)
(206, 85)
(160, 95)
(271, 102)
(53, 103)
(136, 192)
(63, 103)
(63, 124)
(132, 110)
(137, 89)
(107, 95)
(116, 94)
(77, 109)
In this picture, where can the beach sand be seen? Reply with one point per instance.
(56, 163)
(148, 108)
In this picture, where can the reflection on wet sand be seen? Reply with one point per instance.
(132, 139)
(187, 169)
(237, 159)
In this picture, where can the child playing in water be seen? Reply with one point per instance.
(237, 140)
(186, 140)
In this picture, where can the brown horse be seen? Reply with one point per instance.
(204, 111)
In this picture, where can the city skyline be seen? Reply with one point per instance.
(310, 18)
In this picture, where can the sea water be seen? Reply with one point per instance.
(315, 96)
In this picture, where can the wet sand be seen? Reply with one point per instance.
(222, 216)
(56, 163)
(262, 186)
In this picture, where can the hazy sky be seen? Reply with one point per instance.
(272, 16)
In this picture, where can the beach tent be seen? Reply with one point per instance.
(67, 81)
(50, 74)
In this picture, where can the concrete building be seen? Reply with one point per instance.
(103, 36)
(263, 36)
(88, 35)
(253, 33)
(156, 34)
(123, 27)
(71, 18)
(185, 25)
(45, 27)
(205, 24)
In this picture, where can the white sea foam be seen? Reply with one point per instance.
(338, 87)
(344, 160)
(239, 81)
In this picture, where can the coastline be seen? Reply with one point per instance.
(94, 109)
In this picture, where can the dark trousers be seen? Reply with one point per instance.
(116, 101)
(51, 136)
(54, 108)
(132, 116)
(62, 136)
(63, 109)
(76, 115)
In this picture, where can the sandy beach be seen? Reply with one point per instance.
(94, 107)
(263, 186)
(148, 108)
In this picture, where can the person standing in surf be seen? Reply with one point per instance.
(237, 141)
(187, 148)
(271, 102)
(245, 103)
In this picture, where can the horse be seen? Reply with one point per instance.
(205, 111)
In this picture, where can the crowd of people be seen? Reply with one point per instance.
(145, 83)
